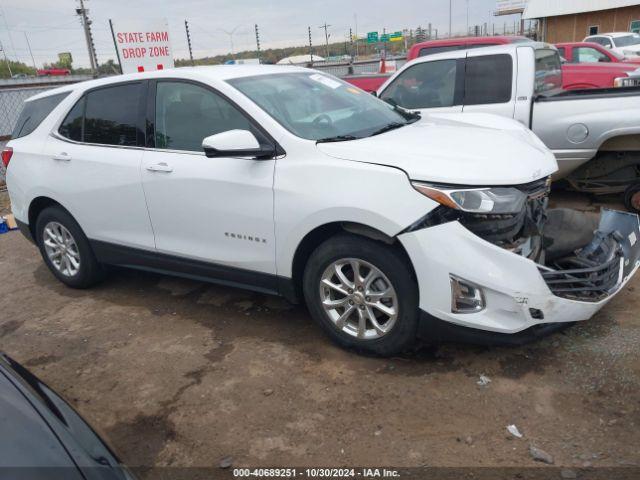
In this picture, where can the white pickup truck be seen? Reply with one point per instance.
(594, 134)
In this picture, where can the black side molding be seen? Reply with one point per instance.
(25, 230)
(119, 255)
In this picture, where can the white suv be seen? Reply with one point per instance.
(288, 181)
(626, 44)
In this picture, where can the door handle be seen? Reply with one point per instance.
(160, 167)
(62, 157)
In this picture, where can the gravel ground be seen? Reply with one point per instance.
(179, 373)
(5, 206)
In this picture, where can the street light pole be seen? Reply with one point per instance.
(450, 18)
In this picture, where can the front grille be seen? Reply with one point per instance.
(586, 276)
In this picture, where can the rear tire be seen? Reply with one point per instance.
(66, 250)
(385, 294)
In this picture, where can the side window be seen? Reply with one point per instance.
(111, 115)
(548, 74)
(425, 85)
(187, 113)
(588, 55)
(426, 51)
(34, 112)
(488, 79)
(74, 122)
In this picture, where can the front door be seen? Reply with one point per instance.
(217, 210)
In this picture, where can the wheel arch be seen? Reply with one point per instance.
(626, 142)
(322, 233)
(37, 205)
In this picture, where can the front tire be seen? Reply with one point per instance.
(363, 293)
(66, 250)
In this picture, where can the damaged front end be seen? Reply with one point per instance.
(581, 256)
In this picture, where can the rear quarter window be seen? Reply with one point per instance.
(488, 79)
(34, 112)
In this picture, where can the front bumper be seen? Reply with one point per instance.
(514, 288)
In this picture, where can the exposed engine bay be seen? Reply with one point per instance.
(579, 255)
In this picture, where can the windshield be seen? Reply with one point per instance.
(627, 40)
(319, 107)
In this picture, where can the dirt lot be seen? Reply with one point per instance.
(175, 372)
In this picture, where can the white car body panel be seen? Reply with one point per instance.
(186, 208)
(488, 150)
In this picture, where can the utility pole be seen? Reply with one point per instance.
(310, 49)
(450, 18)
(351, 43)
(355, 19)
(86, 24)
(186, 27)
(258, 41)
(326, 36)
(30, 52)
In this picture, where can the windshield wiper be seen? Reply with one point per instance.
(388, 127)
(337, 138)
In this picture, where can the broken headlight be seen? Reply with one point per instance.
(498, 200)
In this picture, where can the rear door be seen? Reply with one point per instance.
(489, 83)
(429, 86)
(93, 161)
(216, 210)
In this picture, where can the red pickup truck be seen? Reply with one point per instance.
(589, 52)
(575, 75)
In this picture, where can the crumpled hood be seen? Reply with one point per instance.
(462, 149)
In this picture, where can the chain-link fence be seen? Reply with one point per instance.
(13, 93)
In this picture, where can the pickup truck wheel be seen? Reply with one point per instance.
(632, 198)
(66, 250)
(363, 294)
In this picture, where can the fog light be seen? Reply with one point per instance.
(465, 296)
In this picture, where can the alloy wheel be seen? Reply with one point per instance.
(62, 249)
(358, 298)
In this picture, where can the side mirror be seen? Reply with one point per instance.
(374, 93)
(236, 143)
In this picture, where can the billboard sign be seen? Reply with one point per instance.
(143, 45)
(509, 7)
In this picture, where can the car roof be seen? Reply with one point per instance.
(201, 73)
(489, 49)
(502, 39)
(579, 44)
(612, 34)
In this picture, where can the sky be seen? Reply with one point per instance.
(51, 26)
